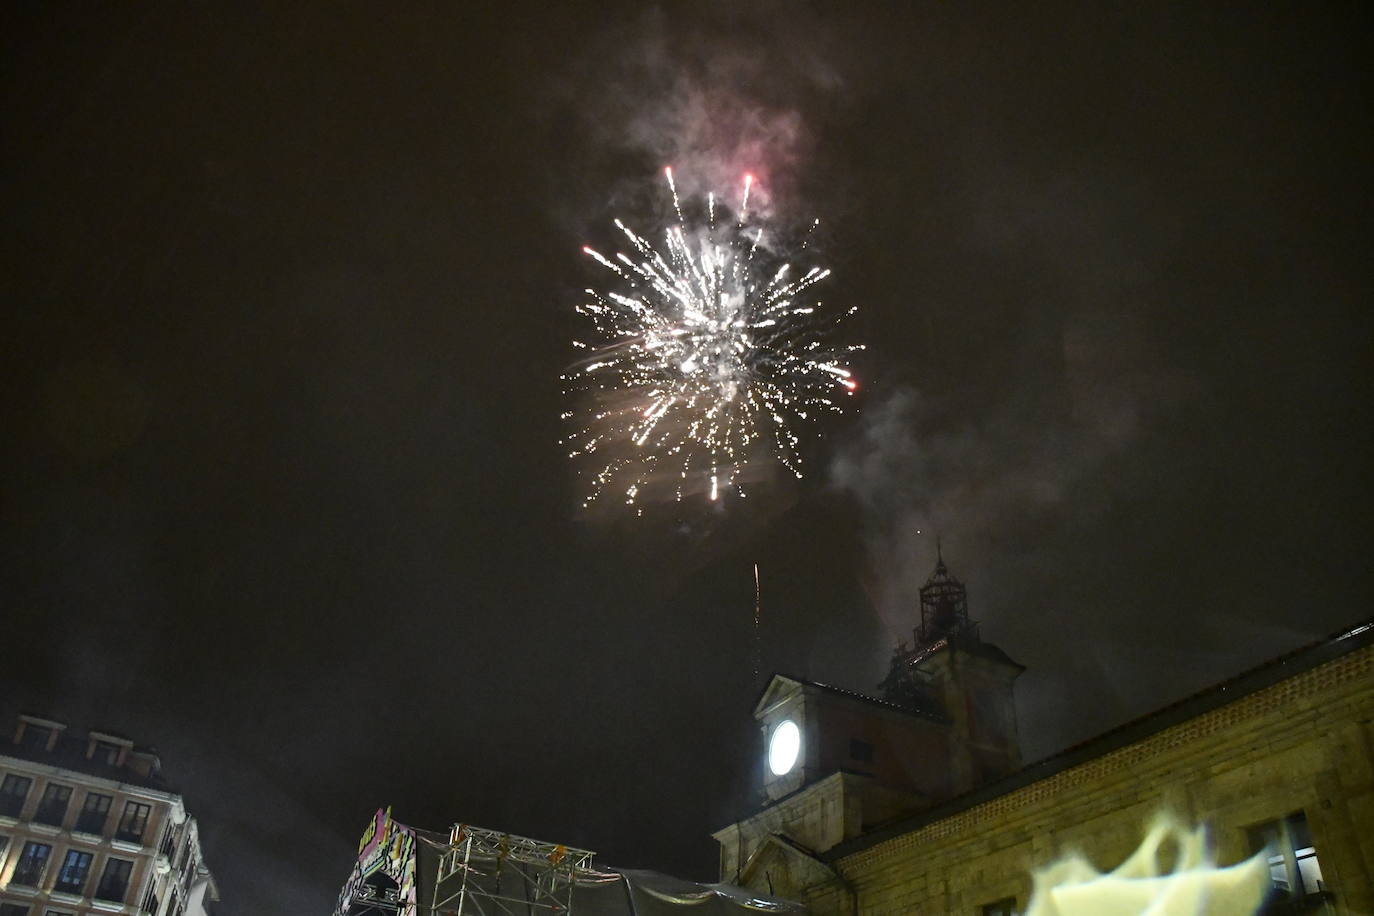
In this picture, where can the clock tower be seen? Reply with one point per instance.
(834, 763)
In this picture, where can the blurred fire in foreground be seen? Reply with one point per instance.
(1172, 873)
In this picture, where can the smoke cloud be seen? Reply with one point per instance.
(715, 102)
(998, 487)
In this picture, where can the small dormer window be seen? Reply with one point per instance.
(38, 735)
(35, 737)
(104, 752)
(107, 750)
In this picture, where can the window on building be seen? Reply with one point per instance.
(35, 737)
(150, 899)
(1004, 907)
(188, 871)
(53, 808)
(114, 883)
(861, 751)
(133, 823)
(1294, 870)
(57, 913)
(72, 878)
(33, 861)
(104, 752)
(169, 839)
(95, 813)
(14, 909)
(13, 791)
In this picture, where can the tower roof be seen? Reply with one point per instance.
(941, 576)
(944, 606)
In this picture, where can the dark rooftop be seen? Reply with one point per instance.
(932, 713)
(69, 753)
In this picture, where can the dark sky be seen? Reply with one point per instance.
(288, 288)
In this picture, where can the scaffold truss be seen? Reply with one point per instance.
(489, 873)
(375, 901)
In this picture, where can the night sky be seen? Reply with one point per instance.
(288, 288)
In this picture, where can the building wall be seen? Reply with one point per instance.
(976, 694)
(1303, 744)
(826, 813)
(908, 753)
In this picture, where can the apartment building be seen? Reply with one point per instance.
(89, 826)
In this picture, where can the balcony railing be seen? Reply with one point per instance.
(51, 813)
(92, 822)
(70, 887)
(130, 834)
(28, 873)
(112, 891)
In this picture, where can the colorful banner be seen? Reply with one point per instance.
(383, 878)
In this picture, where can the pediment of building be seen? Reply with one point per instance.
(782, 867)
(779, 688)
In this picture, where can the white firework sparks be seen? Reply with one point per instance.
(707, 356)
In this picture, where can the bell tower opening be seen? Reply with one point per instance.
(944, 607)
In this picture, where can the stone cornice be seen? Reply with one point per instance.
(85, 780)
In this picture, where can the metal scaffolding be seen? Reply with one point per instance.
(375, 901)
(489, 873)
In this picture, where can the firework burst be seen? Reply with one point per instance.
(707, 353)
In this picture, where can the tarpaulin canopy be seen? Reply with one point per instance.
(638, 892)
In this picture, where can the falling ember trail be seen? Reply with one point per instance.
(708, 352)
(758, 613)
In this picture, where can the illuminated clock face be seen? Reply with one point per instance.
(784, 747)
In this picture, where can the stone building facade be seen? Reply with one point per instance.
(88, 826)
(1280, 757)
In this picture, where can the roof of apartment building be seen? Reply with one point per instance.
(78, 752)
